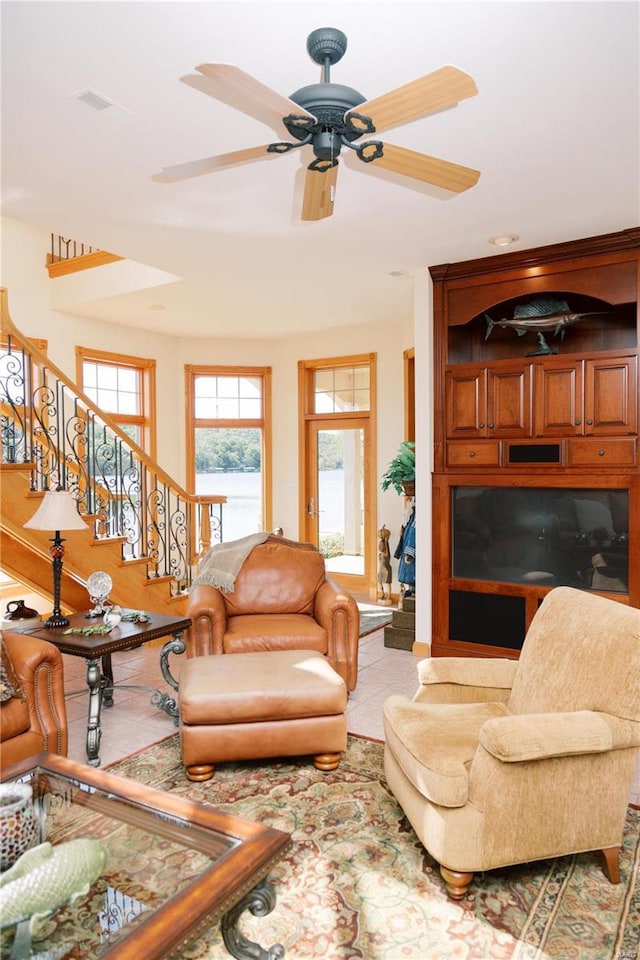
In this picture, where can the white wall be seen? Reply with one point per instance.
(23, 272)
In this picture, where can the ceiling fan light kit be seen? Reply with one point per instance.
(329, 116)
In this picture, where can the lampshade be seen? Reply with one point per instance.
(58, 511)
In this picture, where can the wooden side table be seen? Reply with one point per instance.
(97, 649)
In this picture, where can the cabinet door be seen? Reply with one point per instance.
(509, 402)
(610, 406)
(558, 399)
(465, 403)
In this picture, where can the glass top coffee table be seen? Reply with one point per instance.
(174, 868)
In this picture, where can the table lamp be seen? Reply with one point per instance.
(58, 511)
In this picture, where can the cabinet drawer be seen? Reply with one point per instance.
(483, 453)
(602, 453)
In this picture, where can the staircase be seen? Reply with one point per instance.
(145, 531)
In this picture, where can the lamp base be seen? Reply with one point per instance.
(56, 620)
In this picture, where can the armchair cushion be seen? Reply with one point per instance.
(276, 580)
(275, 631)
(434, 744)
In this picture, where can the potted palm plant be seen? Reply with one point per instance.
(401, 472)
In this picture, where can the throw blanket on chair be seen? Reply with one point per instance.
(220, 567)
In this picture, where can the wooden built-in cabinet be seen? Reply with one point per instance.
(536, 462)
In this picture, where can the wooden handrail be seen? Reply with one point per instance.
(168, 519)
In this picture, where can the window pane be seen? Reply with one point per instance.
(89, 375)
(250, 387)
(107, 377)
(107, 399)
(205, 408)
(361, 399)
(343, 379)
(229, 463)
(227, 386)
(205, 386)
(227, 409)
(323, 381)
(250, 409)
(128, 380)
(361, 378)
(128, 403)
(132, 430)
(341, 499)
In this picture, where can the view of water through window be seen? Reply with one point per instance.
(241, 514)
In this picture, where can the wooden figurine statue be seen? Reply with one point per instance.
(385, 574)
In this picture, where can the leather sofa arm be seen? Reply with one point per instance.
(337, 612)
(39, 671)
(208, 613)
(523, 737)
(465, 680)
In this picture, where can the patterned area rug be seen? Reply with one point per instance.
(357, 883)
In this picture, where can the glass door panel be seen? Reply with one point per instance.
(337, 502)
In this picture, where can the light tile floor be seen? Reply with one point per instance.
(133, 722)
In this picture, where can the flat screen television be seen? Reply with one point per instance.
(542, 535)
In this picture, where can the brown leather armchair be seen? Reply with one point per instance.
(282, 600)
(39, 721)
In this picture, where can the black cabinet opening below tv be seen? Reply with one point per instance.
(542, 535)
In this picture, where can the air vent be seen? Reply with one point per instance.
(94, 100)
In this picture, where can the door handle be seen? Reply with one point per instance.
(311, 508)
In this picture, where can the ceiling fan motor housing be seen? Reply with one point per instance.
(328, 102)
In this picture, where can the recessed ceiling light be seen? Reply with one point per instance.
(503, 240)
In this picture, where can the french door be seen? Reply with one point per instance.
(338, 515)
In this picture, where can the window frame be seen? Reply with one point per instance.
(146, 370)
(264, 424)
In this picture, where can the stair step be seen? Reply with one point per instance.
(105, 541)
(409, 604)
(404, 620)
(399, 639)
(168, 578)
(134, 561)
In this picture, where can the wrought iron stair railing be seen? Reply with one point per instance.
(64, 441)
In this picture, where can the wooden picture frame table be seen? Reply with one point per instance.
(174, 867)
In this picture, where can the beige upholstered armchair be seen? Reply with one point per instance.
(498, 762)
(282, 600)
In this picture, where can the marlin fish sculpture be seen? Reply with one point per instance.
(542, 315)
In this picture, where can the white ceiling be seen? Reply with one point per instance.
(554, 131)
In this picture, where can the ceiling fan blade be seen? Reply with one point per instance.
(198, 168)
(435, 91)
(244, 92)
(420, 166)
(319, 193)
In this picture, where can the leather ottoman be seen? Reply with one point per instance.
(249, 706)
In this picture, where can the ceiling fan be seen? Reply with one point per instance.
(329, 116)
